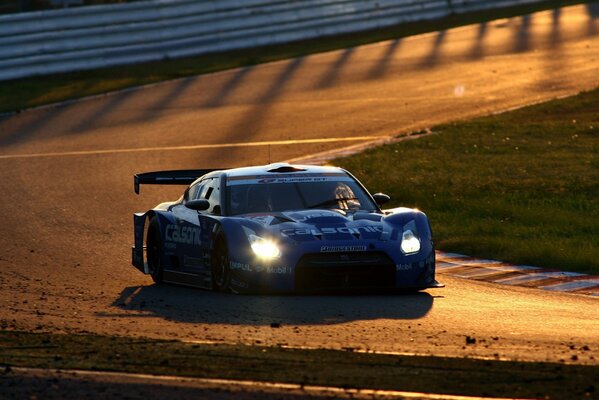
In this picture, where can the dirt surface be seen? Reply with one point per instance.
(67, 219)
(67, 385)
(154, 360)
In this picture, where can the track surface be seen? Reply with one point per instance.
(66, 219)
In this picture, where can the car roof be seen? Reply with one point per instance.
(282, 168)
(272, 169)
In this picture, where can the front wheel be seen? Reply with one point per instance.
(154, 249)
(221, 274)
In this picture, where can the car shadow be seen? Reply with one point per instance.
(190, 305)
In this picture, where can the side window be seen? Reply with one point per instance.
(206, 189)
(201, 191)
(212, 194)
(191, 193)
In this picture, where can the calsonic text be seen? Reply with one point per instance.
(182, 234)
(343, 229)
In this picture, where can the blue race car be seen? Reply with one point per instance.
(281, 228)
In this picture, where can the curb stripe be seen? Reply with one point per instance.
(463, 266)
(572, 286)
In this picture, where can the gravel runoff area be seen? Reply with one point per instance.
(52, 365)
(23, 383)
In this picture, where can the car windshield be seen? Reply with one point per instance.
(287, 194)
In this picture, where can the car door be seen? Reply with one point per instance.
(187, 233)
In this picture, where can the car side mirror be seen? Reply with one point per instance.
(380, 198)
(198, 205)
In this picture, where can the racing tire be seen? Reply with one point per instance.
(221, 273)
(154, 251)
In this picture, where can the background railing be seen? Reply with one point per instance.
(15, 6)
(70, 39)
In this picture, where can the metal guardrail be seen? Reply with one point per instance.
(45, 42)
(464, 6)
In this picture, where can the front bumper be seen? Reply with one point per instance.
(322, 272)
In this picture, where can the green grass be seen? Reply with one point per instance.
(344, 369)
(30, 92)
(521, 187)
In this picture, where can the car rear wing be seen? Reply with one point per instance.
(176, 177)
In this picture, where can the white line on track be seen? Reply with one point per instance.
(196, 147)
(256, 385)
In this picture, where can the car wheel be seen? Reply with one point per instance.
(221, 274)
(154, 251)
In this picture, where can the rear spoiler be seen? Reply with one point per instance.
(177, 177)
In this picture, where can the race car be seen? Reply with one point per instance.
(281, 228)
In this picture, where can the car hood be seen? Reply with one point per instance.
(310, 225)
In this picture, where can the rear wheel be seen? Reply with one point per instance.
(154, 251)
(221, 274)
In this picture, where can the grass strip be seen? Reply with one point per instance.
(346, 369)
(522, 186)
(24, 93)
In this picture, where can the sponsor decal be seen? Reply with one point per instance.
(403, 267)
(273, 269)
(329, 230)
(237, 266)
(269, 269)
(182, 234)
(240, 284)
(262, 219)
(192, 261)
(341, 249)
(287, 178)
(305, 217)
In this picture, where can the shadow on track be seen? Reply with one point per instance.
(137, 106)
(189, 305)
(382, 65)
(478, 49)
(593, 12)
(332, 75)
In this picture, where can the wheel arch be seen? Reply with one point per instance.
(400, 216)
(141, 225)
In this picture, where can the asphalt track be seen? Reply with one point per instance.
(67, 198)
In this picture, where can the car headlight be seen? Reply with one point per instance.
(264, 248)
(410, 244)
